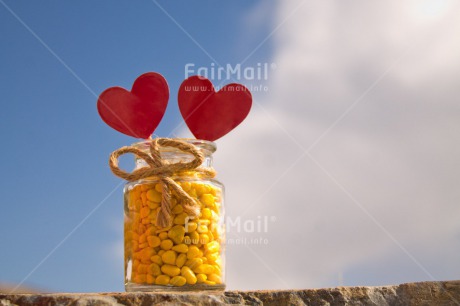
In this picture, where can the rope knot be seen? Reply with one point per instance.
(163, 170)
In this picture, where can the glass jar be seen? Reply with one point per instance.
(189, 254)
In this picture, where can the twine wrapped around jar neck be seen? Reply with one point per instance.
(163, 170)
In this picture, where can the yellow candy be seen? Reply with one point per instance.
(214, 278)
(189, 275)
(140, 278)
(177, 209)
(153, 241)
(153, 205)
(146, 254)
(173, 202)
(169, 257)
(217, 269)
(206, 213)
(135, 264)
(150, 279)
(133, 195)
(204, 238)
(187, 240)
(214, 191)
(144, 198)
(145, 211)
(193, 263)
(181, 248)
(180, 218)
(218, 262)
(166, 244)
(193, 252)
(177, 233)
(163, 235)
(186, 186)
(207, 282)
(184, 253)
(157, 259)
(154, 269)
(142, 238)
(162, 280)
(212, 257)
(214, 217)
(204, 221)
(192, 193)
(202, 228)
(212, 247)
(199, 189)
(178, 281)
(204, 268)
(190, 227)
(143, 245)
(201, 278)
(137, 205)
(142, 269)
(170, 270)
(153, 195)
(135, 245)
(159, 188)
(181, 259)
(207, 199)
(151, 230)
(194, 237)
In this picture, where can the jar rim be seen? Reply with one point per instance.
(204, 145)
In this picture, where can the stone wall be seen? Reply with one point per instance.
(426, 293)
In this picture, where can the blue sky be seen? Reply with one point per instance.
(351, 151)
(55, 146)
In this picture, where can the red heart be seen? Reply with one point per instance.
(210, 114)
(136, 113)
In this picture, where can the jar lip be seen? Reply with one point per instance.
(204, 145)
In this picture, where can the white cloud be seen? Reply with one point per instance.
(396, 152)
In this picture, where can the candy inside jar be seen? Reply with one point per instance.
(188, 253)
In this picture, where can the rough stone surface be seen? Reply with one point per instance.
(426, 293)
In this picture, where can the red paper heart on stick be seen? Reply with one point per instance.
(137, 112)
(210, 114)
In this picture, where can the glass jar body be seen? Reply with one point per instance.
(186, 256)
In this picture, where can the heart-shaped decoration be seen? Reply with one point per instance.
(210, 114)
(137, 112)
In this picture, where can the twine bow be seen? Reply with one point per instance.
(157, 167)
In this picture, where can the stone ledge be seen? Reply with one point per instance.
(425, 293)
